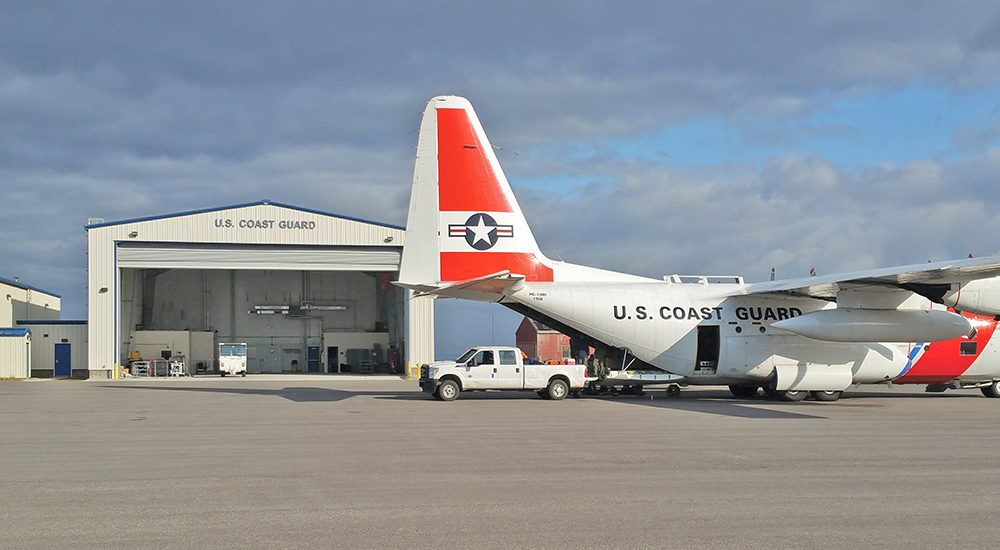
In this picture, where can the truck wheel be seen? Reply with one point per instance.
(558, 388)
(448, 390)
(222, 374)
(825, 395)
(993, 390)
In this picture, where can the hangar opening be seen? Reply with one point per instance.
(306, 291)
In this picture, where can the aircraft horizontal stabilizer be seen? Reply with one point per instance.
(488, 288)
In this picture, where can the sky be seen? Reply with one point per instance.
(645, 137)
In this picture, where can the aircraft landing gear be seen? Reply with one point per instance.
(993, 390)
(792, 395)
(828, 395)
(673, 390)
(743, 390)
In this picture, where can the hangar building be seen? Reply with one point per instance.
(307, 291)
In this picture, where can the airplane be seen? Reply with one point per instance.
(467, 238)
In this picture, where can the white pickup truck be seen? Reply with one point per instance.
(499, 368)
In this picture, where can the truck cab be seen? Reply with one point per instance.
(499, 368)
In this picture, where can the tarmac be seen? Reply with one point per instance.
(291, 461)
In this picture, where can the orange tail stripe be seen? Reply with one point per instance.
(466, 181)
(460, 266)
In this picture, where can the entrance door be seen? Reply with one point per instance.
(312, 358)
(62, 367)
(333, 359)
(707, 360)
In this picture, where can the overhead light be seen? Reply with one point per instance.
(103, 290)
(293, 310)
(387, 239)
(133, 234)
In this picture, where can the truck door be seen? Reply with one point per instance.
(481, 372)
(510, 374)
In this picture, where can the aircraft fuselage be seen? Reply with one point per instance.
(710, 336)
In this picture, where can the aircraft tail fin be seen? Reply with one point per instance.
(463, 222)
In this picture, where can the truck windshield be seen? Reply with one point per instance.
(230, 350)
(466, 356)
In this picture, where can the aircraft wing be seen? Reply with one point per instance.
(930, 280)
(488, 288)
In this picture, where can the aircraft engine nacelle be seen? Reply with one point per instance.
(878, 325)
(981, 296)
(812, 377)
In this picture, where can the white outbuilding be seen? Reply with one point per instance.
(306, 291)
(15, 353)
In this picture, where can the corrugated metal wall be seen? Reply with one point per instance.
(420, 319)
(15, 353)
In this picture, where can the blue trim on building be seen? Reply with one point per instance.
(50, 322)
(27, 287)
(17, 331)
(257, 203)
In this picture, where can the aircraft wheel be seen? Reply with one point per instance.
(243, 374)
(792, 395)
(448, 390)
(770, 392)
(993, 390)
(673, 390)
(743, 390)
(827, 395)
(558, 389)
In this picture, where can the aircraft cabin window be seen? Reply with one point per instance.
(967, 348)
(507, 357)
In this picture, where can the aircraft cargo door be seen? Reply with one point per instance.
(707, 360)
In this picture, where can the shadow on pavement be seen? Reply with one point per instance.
(297, 394)
(723, 404)
(717, 402)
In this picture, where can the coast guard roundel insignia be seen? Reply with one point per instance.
(481, 231)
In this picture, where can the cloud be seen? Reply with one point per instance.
(793, 214)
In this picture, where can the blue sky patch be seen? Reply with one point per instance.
(898, 127)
